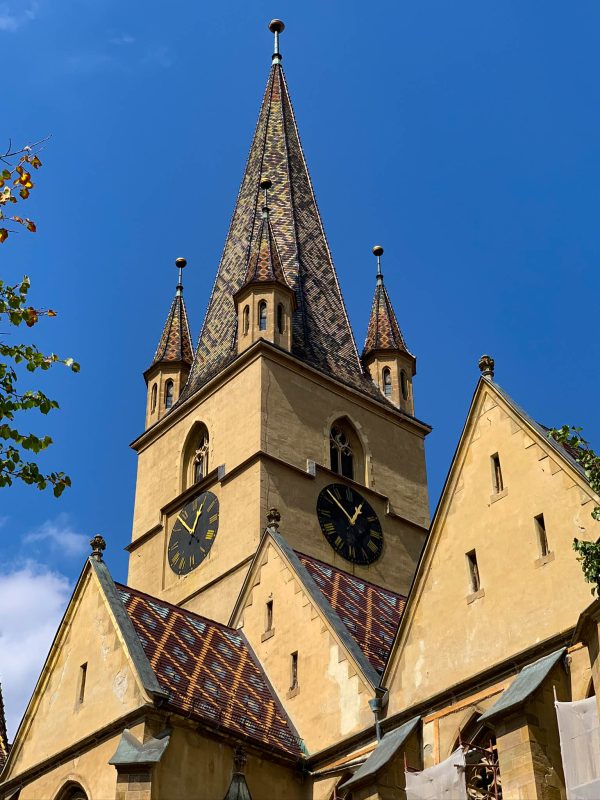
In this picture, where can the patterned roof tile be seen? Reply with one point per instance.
(209, 671)
(383, 332)
(322, 336)
(264, 264)
(370, 612)
(176, 341)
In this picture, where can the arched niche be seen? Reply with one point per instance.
(196, 461)
(345, 450)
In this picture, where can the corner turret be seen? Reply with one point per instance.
(385, 354)
(169, 370)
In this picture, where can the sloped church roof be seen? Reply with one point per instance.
(322, 336)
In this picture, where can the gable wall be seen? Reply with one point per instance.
(331, 702)
(523, 599)
(111, 691)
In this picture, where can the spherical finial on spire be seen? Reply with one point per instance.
(265, 184)
(378, 250)
(180, 263)
(486, 365)
(276, 26)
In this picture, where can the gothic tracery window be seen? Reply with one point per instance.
(200, 463)
(340, 449)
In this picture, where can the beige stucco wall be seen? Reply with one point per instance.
(332, 699)
(56, 718)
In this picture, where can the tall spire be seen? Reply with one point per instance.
(264, 264)
(383, 332)
(175, 343)
(322, 336)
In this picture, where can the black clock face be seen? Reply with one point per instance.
(193, 533)
(349, 524)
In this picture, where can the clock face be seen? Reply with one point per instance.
(349, 524)
(193, 533)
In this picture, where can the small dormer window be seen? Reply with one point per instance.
(280, 318)
(262, 316)
(153, 397)
(387, 382)
(168, 394)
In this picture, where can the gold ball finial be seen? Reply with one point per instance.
(180, 263)
(266, 184)
(378, 250)
(276, 26)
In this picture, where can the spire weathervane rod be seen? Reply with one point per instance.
(180, 263)
(378, 252)
(276, 26)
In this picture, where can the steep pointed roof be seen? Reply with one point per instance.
(322, 336)
(176, 341)
(3, 734)
(264, 264)
(383, 332)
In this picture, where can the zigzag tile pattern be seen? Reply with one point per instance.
(265, 262)
(383, 332)
(371, 613)
(176, 341)
(322, 335)
(209, 671)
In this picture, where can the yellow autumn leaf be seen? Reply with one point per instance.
(3, 235)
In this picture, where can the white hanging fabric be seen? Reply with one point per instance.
(443, 781)
(579, 731)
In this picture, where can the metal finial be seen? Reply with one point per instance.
(239, 760)
(180, 263)
(273, 518)
(265, 185)
(486, 365)
(378, 251)
(276, 27)
(98, 545)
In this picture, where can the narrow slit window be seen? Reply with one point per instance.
(473, 571)
(262, 316)
(153, 400)
(542, 536)
(82, 679)
(497, 479)
(168, 394)
(246, 320)
(387, 382)
(280, 318)
(294, 670)
(269, 616)
(404, 385)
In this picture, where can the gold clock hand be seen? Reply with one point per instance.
(198, 516)
(337, 502)
(185, 525)
(357, 513)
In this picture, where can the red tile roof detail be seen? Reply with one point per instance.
(371, 613)
(383, 332)
(176, 341)
(209, 671)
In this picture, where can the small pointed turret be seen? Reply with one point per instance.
(170, 367)
(265, 303)
(385, 354)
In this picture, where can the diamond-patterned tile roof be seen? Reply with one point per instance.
(209, 671)
(264, 264)
(176, 341)
(370, 613)
(383, 332)
(321, 336)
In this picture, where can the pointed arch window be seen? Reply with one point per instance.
(153, 398)
(404, 385)
(280, 318)
(168, 394)
(200, 462)
(340, 449)
(262, 316)
(387, 382)
(246, 320)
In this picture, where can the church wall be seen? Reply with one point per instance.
(58, 718)
(522, 598)
(331, 700)
(296, 498)
(298, 412)
(197, 767)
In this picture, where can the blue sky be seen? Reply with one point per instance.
(461, 136)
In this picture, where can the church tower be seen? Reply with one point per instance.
(278, 410)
